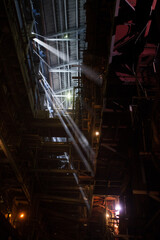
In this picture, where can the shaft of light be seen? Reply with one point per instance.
(63, 114)
(51, 49)
(88, 167)
(80, 188)
(81, 138)
(87, 71)
(90, 74)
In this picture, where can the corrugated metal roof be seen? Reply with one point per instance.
(64, 19)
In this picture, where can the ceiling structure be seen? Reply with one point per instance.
(79, 119)
(63, 29)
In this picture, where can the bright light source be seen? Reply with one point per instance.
(65, 36)
(118, 207)
(117, 214)
(68, 95)
(97, 133)
(115, 226)
(21, 215)
(9, 215)
(107, 215)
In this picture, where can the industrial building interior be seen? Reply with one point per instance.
(79, 119)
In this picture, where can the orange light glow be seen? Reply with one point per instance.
(21, 215)
(97, 133)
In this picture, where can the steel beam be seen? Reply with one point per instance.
(51, 49)
(42, 59)
(54, 15)
(66, 26)
(56, 144)
(77, 25)
(126, 236)
(113, 36)
(154, 217)
(63, 96)
(66, 65)
(58, 179)
(65, 217)
(15, 168)
(45, 123)
(64, 90)
(57, 46)
(62, 70)
(62, 39)
(83, 194)
(64, 188)
(130, 5)
(107, 146)
(53, 170)
(45, 159)
(55, 147)
(69, 31)
(152, 194)
(61, 199)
